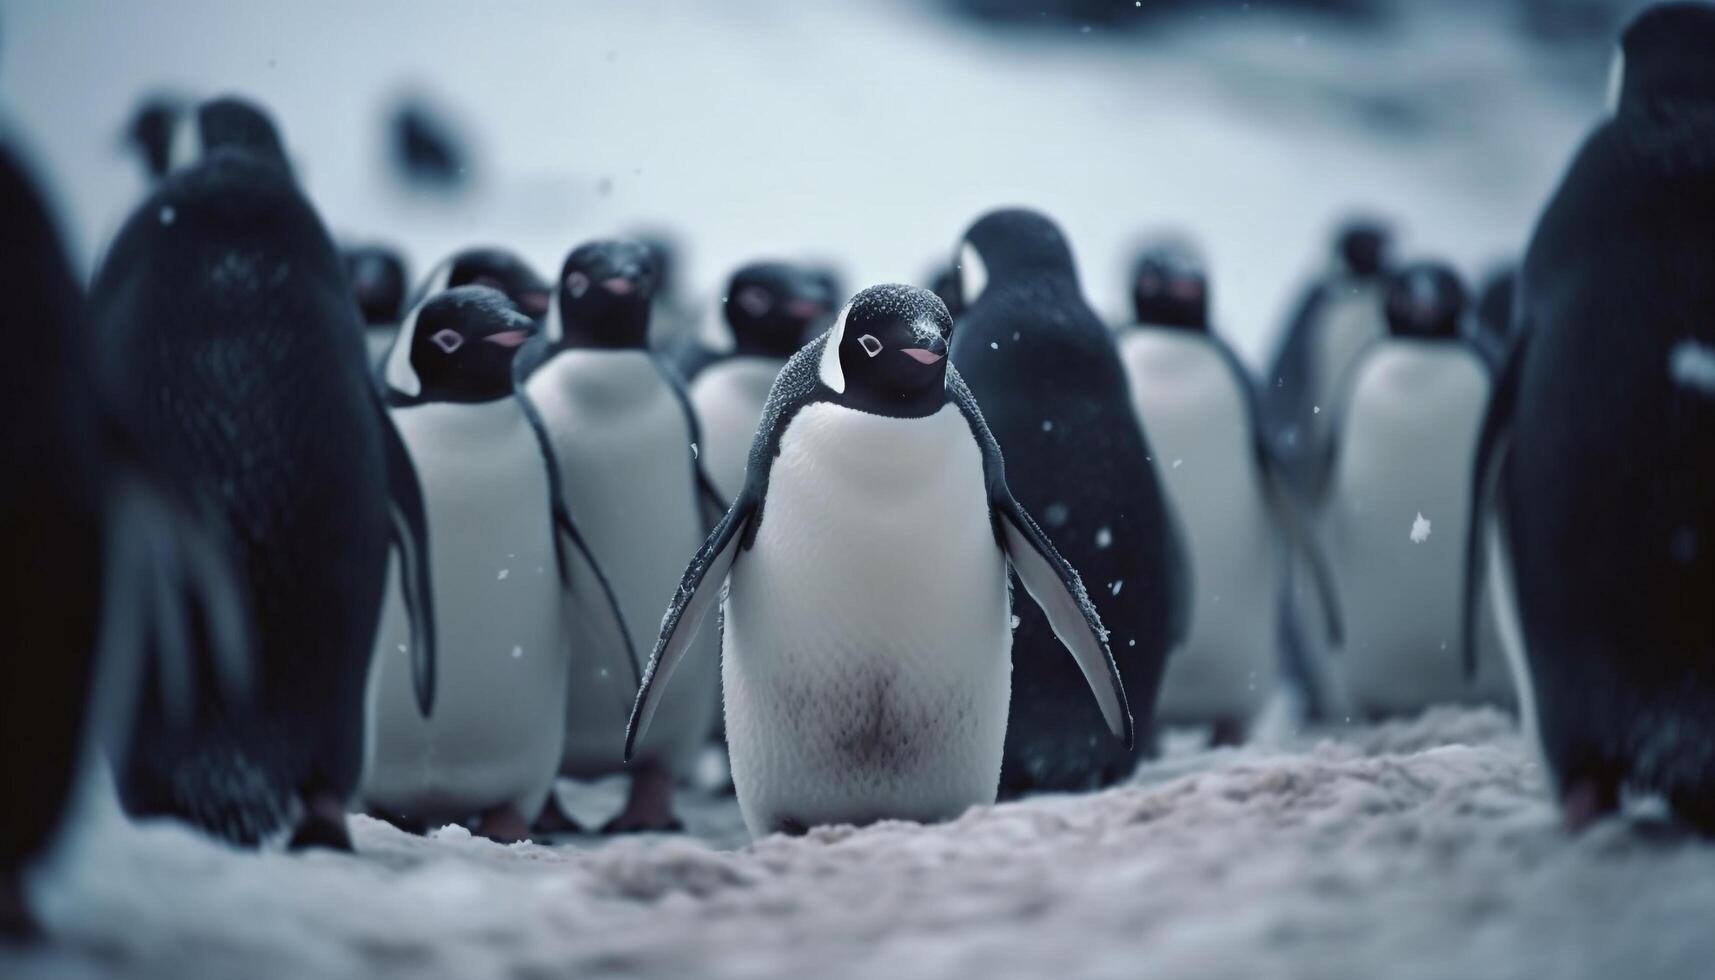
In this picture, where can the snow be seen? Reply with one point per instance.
(1420, 848)
(1419, 529)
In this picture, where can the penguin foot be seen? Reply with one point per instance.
(503, 825)
(649, 806)
(323, 825)
(1227, 733)
(1587, 799)
(17, 923)
(791, 827)
(555, 820)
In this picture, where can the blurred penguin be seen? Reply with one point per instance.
(1198, 408)
(1598, 453)
(379, 284)
(1491, 330)
(1045, 371)
(770, 306)
(1395, 511)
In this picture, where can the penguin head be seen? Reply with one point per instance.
(1361, 248)
(886, 354)
(150, 132)
(227, 124)
(603, 296)
(1425, 301)
(943, 281)
(770, 306)
(1667, 54)
(378, 279)
(495, 268)
(1010, 245)
(462, 343)
(1169, 288)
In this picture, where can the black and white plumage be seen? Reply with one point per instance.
(1595, 463)
(866, 624)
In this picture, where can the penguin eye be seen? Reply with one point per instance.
(447, 340)
(577, 284)
(755, 301)
(870, 345)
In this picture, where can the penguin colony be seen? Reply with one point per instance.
(291, 539)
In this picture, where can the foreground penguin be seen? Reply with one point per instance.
(1198, 408)
(866, 616)
(104, 563)
(501, 539)
(1597, 459)
(769, 306)
(223, 317)
(379, 285)
(1046, 373)
(1337, 318)
(1394, 513)
(625, 442)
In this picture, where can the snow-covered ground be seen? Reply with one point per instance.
(1424, 848)
(869, 132)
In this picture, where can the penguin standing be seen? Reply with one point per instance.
(1491, 329)
(769, 305)
(1335, 321)
(623, 434)
(378, 283)
(1394, 512)
(103, 564)
(500, 536)
(224, 319)
(866, 616)
(1198, 409)
(1596, 461)
(1046, 373)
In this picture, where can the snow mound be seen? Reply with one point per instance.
(1424, 848)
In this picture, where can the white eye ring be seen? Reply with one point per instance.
(578, 284)
(447, 340)
(870, 345)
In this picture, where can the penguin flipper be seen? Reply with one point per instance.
(1051, 582)
(710, 505)
(1492, 445)
(1283, 504)
(699, 590)
(607, 611)
(408, 527)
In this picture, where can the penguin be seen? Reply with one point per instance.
(168, 133)
(1394, 510)
(942, 279)
(1490, 331)
(866, 602)
(499, 532)
(222, 316)
(769, 306)
(109, 571)
(149, 133)
(1594, 474)
(1198, 408)
(1337, 318)
(379, 284)
(1046, 372)
(497, 268)
(625, 439)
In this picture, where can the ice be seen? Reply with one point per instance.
(1419, 529)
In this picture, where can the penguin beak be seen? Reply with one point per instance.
(619, 285)
(509, 338)
(805, 309)
(534, 303)
(922, 356)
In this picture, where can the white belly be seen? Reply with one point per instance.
(728, 397)
(1408, 436)
(624, 447)
(1349, 322)
(1199, 427)
(867, 659)
(495, 734)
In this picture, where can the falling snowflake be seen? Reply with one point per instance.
(693, 450)
(1693, 365)
(1104, 537)
(168, 215)
(517, 652)
(1047, 425)
(1015, 622)
(1177, 462)
(1420, 529)
(994, 345)
(503, 573)
(1116, 586)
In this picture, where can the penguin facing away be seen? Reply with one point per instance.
(625, 440)
(1198, 408)
(1394, 512)
(224, 319)
(769, 306)
(1045, 370)
(110, 572)
(1595, 467)
(866, 616)
(378, 284)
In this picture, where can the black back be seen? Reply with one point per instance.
(222, 312)
(52, 485)
(770, 307)
(1608, 419)
(378, 282)
(1048, 378)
